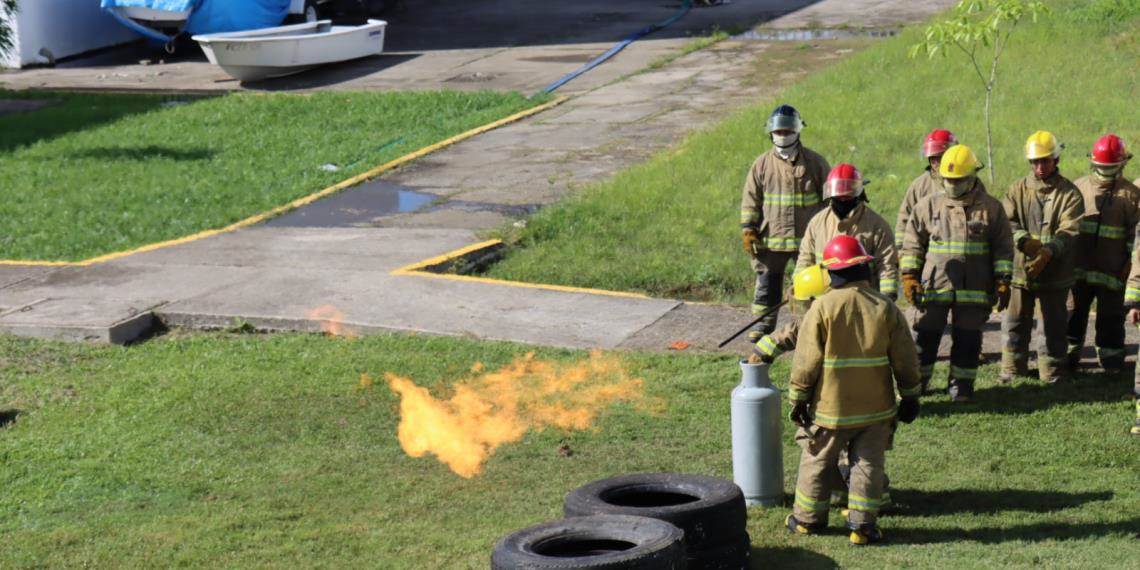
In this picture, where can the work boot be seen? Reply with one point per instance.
(797, 527)
(864, 534)
(960, 390)
(1074, 358)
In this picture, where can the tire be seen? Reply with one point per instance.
(733, 555)
(709, 510)
(602, 542)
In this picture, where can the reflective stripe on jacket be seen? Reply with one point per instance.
(852, 341)
(1108, 229)
(958, 247)
(779, 197)
(1049, 210)
(929, 183)
(869, 228)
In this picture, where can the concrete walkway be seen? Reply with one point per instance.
(295, 272)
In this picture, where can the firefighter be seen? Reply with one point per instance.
(929, 182)
(782, 192)
(852, 341)
(956, 259)
(1112, 210)
(1045, 211)
(847, 213)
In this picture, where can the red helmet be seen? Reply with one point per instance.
(1109, 151)
(844, 251)
(843, 181)
(937, 142)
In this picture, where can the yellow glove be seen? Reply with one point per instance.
(752, 244)
(1030, 247)
(1038, 264)
(912, 289)
(1003, 292)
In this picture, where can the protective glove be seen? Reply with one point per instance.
(908, 410)
(1038, 264)
(1030, 247)
(752, 244)
(800, 415)
(912, 289)
(757, 358)
(1002, 292)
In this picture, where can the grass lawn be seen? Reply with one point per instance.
(247, 450)
(93, 174)
(669, 227)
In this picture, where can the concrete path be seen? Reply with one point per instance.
(299, 270)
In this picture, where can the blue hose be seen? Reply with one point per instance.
(685, 7)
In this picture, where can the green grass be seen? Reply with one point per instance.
(100, 173)
(669, 226)
(246, 450)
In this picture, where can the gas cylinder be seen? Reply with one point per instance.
(757, 448)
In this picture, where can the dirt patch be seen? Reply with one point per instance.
(786, 62)
(10, 106)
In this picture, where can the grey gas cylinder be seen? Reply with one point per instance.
(757, 448)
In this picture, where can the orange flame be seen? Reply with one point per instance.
(494, 408)
(332, 321)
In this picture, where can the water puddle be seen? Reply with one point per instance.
(799, 35)
(355, 206)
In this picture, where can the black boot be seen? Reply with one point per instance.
(961, 390)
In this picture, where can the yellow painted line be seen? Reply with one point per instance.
(363, 177)
(417, 269)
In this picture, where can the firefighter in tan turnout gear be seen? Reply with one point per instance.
(956, 262)
(854, 347)
(782, 192)
(930, 182)
(1045, 211)
(1112, 210)
(847, 213)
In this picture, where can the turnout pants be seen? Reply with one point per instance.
(965, 335)
(1109, 324)
(1018, 325)
(769, 267)
(866, 450)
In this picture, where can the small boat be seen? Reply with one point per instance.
(273, 52)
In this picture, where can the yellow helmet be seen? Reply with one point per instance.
(959, 162)
(810, 282)
(1042, 144)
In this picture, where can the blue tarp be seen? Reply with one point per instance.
(210, 16)
(214, 16)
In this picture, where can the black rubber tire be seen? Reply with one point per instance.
(733, 555)
(715, 515)
(593, 543)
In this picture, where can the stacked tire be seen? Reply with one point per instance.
(633, 522)
(710, 511)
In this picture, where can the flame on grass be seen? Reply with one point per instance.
(492, 408)
(332, 321)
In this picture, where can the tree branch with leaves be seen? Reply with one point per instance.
(980, 30)
(7, 13)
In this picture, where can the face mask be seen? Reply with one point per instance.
(843, 207)
(1107, 173)
(785, 141)
(957, 187)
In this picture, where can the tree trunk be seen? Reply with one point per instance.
(990, 140)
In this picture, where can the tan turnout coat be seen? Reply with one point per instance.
(780, 197)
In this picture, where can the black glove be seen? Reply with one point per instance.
(800, 414)
(908, 410)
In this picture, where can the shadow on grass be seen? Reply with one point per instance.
(1014, 533)
(789, 557)
(8, 417)
(72, 112)
(911, 503)
(1032, 396)
(144, 153)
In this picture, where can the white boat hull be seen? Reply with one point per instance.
(154, 18)
(274, 52)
